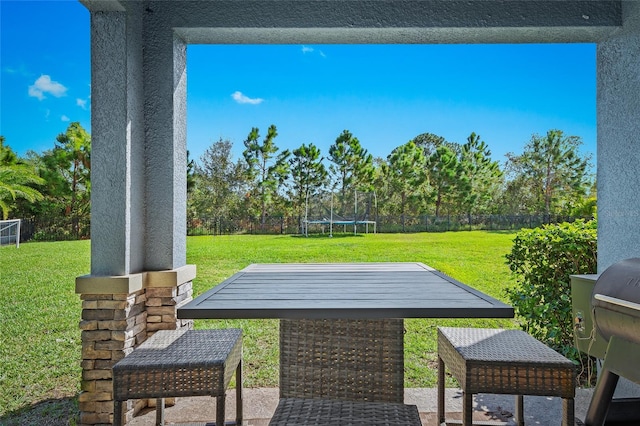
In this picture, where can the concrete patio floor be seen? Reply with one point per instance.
(260, 403)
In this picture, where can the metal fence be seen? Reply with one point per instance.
(385, 224)
(229, 226)
(54, 229)
(430, 223)
(60, 229)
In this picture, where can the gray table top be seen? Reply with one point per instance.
(343, 290)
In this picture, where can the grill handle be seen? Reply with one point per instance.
(616, 317)
(615, 304)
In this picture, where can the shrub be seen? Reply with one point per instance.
(542, 260)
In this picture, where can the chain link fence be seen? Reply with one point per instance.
(54, 229)
(384, 224)
(61, 229)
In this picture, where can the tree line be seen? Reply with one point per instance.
(427, 175)
(53, 187)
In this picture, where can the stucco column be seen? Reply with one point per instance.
(113, 318)
(618, 109)
(139, 275)
(165, 59)
(117, 145)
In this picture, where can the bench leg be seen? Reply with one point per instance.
(440, 409)
(467, 408)
(159, 411)
(117, 413)
(220, 410)
(568, 412)
(519, 414)
(239, 394)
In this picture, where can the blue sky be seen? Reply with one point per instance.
(384, 94)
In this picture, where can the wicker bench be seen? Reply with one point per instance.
(174, 363)
(503, 362)
(348, 372)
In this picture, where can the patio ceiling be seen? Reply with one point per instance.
(331, 21)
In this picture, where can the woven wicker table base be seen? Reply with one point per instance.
(174, 363)
(342, 372)
(503, 362)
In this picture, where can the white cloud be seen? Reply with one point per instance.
(20, 70)
(83, 103)
(308, 49)
(240, 98)
(65, 118)
(43, 85)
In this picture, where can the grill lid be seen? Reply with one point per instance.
(616, 301)
(621, 280)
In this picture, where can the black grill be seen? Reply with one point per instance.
(615, 304)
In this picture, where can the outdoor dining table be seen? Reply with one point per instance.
(345, 317)
(342, 291)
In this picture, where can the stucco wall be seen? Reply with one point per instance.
(618, 162)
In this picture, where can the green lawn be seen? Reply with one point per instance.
(39, 310)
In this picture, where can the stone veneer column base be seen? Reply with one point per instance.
(114, 323)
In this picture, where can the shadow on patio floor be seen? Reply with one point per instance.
(260, 403)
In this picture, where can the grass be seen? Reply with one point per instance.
(40, 346)
(40, 339)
